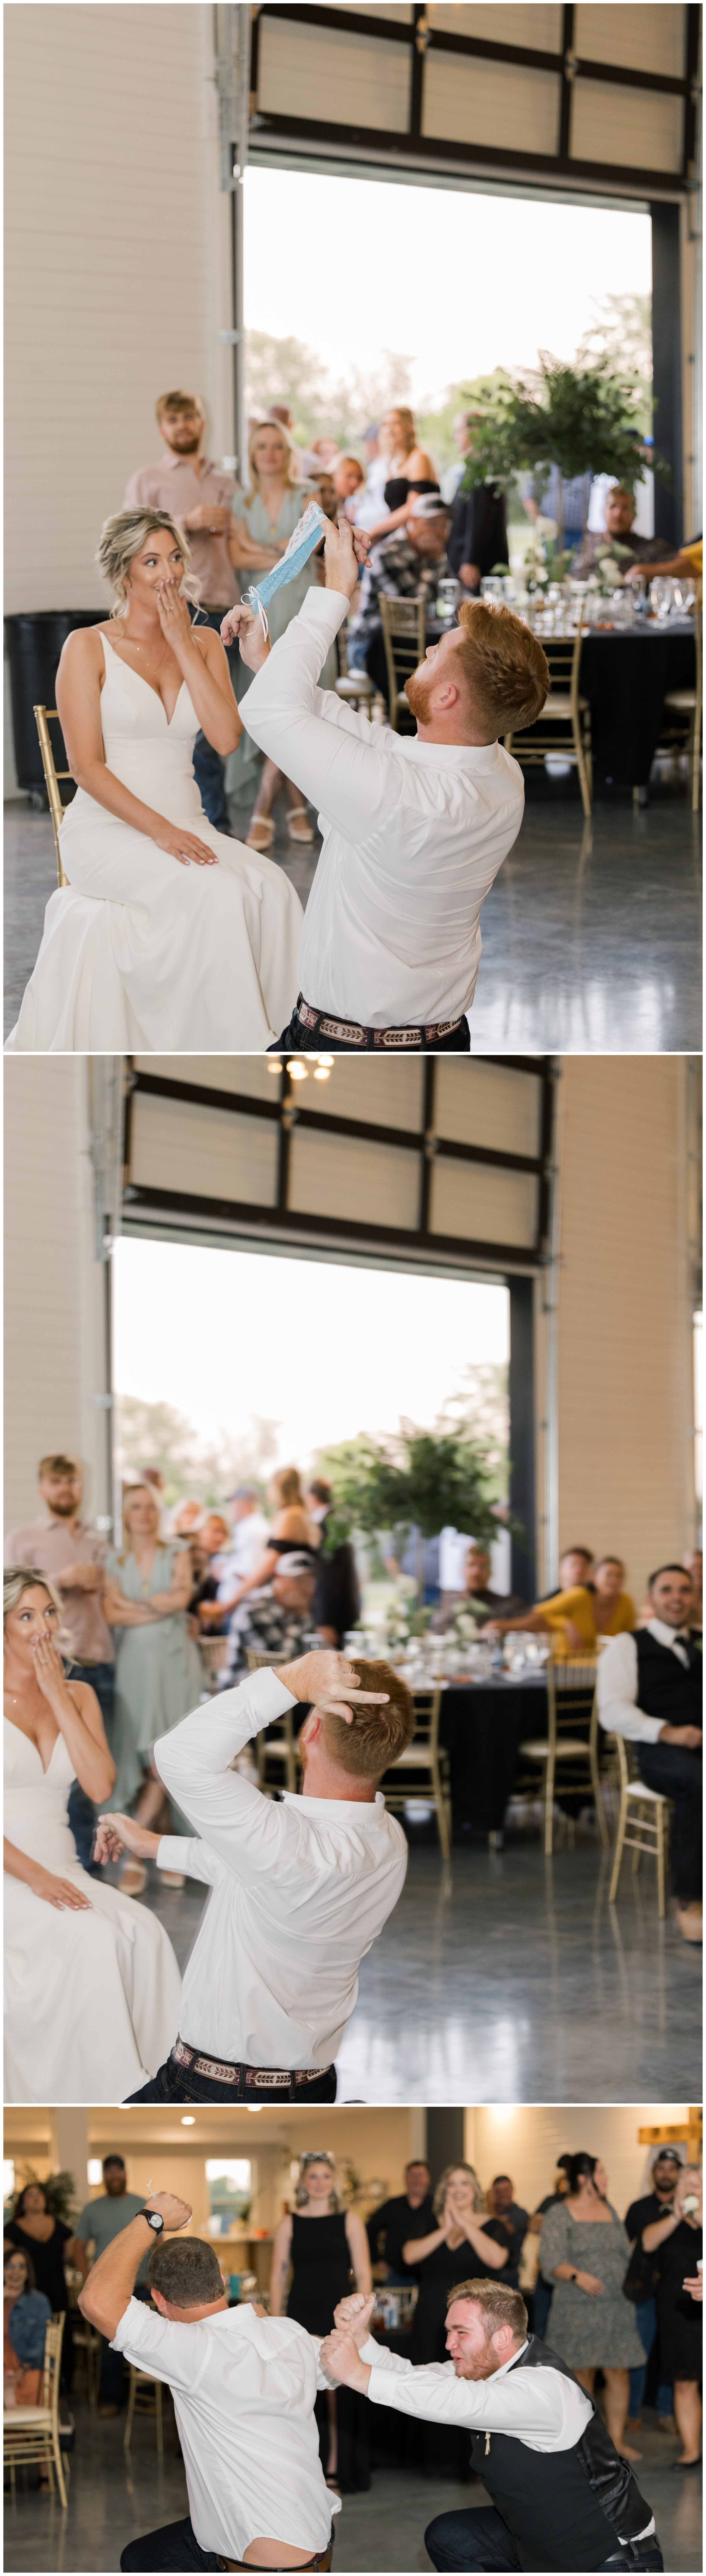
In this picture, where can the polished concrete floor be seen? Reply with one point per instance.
(590, 934)
(112, 2501)
(511, 1979)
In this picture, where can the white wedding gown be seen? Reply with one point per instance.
(139, 951)
(91, 2000)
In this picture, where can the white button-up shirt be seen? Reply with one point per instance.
(413, 835)
(539, 2407)
(300, 1891)
(617, 1682)
(244, 2389)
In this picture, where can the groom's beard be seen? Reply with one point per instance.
(418, 695)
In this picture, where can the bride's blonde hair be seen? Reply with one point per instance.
(19, 1579)
(123, 537)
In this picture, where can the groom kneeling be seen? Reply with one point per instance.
(414, 829)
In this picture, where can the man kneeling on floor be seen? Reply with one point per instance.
(562, 2495)
(244, 2386)
(300, 1889)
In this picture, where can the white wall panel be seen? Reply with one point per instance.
(538, 27)
(178, 1146)
(338, 78)
(244, 1073)
(469, 101)
(488, 1104)
(389, 1095)
(471, 1200)
(633, 128)
(338, 1177)
(645, 40)
(117, 270)
(54, 1308)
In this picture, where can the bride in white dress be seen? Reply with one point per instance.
(92, 1987)
(170, 935)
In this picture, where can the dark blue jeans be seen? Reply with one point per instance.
(646, 2322)
(209, 769)
(677, 1773)
(175, 2545)
(81, 1811)
(461, 2540)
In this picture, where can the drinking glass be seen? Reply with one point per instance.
(448, 596)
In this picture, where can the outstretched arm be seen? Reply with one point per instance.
(345, 765)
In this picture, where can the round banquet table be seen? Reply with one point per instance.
(625, 674)
(482, 1726)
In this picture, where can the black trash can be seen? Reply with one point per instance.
(34, 644)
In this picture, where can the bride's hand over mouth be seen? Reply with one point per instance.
(174, 617)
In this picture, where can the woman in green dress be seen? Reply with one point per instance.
(158, 1671)
(271, 510)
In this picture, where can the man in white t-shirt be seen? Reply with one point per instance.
(244, 2387)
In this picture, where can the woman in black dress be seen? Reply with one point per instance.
(462, 2247)
(676, 2242)
(411, 471)
(329, 2252)
(49, 2244)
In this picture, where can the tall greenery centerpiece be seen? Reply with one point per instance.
(448, 1478)
(583, 419)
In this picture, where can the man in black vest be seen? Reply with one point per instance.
(562, 2496)
(649, 1690)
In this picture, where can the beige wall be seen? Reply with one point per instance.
(54, 1310)
(118, 270)
(526, 2143)
(624, 1363)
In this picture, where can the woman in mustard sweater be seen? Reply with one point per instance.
(575, 1620)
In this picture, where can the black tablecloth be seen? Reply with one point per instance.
(481, 1730)
(625, 676)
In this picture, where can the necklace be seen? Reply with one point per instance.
(144, 648)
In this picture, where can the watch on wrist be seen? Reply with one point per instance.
(154, 2220)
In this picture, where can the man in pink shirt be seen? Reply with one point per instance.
(200, 496)
(63, 1546)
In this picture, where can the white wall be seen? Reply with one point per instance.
(525, 2143)
(54, 1311)
(118, 269)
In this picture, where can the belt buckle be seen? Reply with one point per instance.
(308, 1017)
(182, 2054)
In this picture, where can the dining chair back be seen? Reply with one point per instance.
(404, 633)
(213, 1652)
(688, 704)
(423, 1769)
(44, 716)
(643, 1822)
(567, 1757)
(145, 2398)
(564, 727)
(31, 2433)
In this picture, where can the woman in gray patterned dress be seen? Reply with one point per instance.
(584, 2252)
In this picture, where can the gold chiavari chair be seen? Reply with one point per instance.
(44, 716)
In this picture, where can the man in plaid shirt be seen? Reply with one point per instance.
(407, 565)
(277, 1621)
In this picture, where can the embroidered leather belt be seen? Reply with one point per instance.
(322, 2560)
(220, 2071)
(319, 1023)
